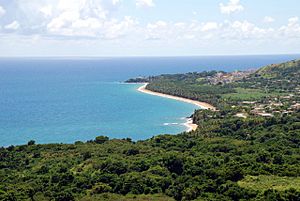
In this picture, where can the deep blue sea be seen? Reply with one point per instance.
(63, 100)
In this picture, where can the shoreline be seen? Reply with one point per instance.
(189, 124)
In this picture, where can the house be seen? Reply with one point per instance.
(265, 114)
(296, 106)
(241, 115)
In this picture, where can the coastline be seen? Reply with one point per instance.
(189, 124)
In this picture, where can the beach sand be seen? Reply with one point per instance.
(189, 124)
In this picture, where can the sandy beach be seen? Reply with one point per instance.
(189, 124)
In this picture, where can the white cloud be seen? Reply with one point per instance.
(208, 26)
(46, 10)
(144, 3)
(116, 29)
(157, 30)
(96, 19)
(12, 26)
(203, 31)
(293, 20)
(2, 11)
(88, 18)
(268, 19)
(161, 30)
(246, 30)
(158, 24)
(292, 29)
(231, 7)
(115, 2)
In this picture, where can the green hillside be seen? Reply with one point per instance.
(289, 69)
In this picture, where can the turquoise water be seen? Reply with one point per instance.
(67, 112)
(65, 100)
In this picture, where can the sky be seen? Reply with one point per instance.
(96, 28)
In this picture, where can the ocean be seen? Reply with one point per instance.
(63, 100)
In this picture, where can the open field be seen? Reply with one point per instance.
(245, 94)
(264, 182)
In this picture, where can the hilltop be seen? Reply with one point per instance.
(291, 68)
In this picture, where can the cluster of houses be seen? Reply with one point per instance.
(225, 78)
(281, 106)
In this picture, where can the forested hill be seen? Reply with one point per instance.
(249, 149)
(282, 77)
(283, 70)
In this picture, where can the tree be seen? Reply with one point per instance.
(31, 142)
(132, 152)
(278, 159)
(64, 196)
(101, 139)
(101, 188)
(174, 164)
(86, 155)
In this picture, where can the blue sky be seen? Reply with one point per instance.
(148, 27)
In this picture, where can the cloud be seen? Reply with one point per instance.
(46, 10)
(292, 29)
(293, 20)
(71, 19)
(87, 18)
(231, 7)
(115, 29)
(97, 20)
(246, 30)
(268, 19)
(168, 31)
(157, 30)
(116, 2)
(12, 26)
(203, 31)
(2, 11)
(144, 3)
(208, 26)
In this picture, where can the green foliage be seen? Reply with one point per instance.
(209, 164)
(101, 139)
(99, 188)
(31, 142)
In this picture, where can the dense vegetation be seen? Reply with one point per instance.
(226, 158)
(191, 85)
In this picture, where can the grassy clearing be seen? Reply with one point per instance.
(221, 140)
(245, 94)
(264, 182)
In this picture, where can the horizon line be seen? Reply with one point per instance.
(141, 56)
